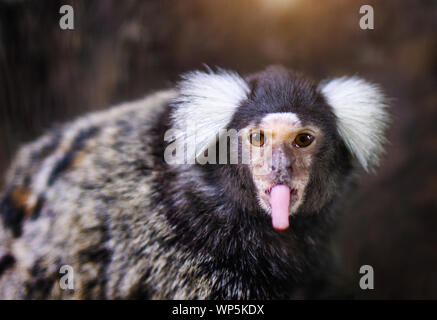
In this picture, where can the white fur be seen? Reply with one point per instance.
(206, 101)
(290, 117)
(362, 117)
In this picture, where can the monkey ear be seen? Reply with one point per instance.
(362, 117)
(205, 104)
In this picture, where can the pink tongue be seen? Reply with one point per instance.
(280, 202)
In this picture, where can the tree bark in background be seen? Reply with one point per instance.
(121, 50)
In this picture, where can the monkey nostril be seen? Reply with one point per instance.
(273, 168)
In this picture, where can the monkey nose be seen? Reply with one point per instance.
(278, 168)
(280, 160)
(282, 165)
(280, 175)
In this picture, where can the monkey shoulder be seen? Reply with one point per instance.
(88, 150)
(66, 189)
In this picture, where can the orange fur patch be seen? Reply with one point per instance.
(20, 198)
(78, 159)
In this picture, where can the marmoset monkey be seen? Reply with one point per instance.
(133, 200)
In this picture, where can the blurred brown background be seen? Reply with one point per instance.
(121, 50)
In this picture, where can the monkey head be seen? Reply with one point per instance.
(297, 140)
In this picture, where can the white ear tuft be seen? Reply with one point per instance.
(206, 104)
(362, 117)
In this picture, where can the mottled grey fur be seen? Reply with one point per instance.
(98, 215)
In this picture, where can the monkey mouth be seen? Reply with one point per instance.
(293, 191)
(281, 199)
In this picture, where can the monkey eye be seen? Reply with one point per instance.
(303, 140)
(257, 138)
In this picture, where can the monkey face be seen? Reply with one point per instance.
(290, 133)
(281, 153)
(304, 138)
